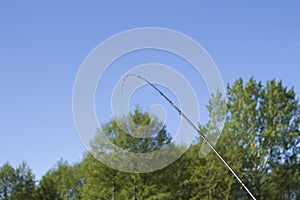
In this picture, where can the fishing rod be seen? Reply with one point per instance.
(197, 130)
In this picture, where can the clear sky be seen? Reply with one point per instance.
(42, 45)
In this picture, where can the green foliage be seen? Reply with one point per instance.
(25, 184)
(60, 183)
(7, 181)
(123, 131)
(260, 140)
(265, 122)
(16, 184)
(102, 182)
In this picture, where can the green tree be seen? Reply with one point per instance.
(7, 181)
(260, 141)
(24, 184)
(100, 181)
(122, 132)
(63, 182)
(16, 184)
(265, 121)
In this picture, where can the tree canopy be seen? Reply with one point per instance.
(260, 140)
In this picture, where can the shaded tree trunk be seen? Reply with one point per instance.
(113, 186)
(134, 187)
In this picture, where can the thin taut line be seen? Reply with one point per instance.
(198, 131)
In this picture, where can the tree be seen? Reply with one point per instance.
(260, 141)
(100, 181)
(60, 183)
(265, 121)
(208, 173)
(7, 181)
(25, 184)
(16, 184)
(122, 132)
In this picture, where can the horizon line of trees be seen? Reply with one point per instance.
(260, 140)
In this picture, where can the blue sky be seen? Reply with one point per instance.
(42, 45)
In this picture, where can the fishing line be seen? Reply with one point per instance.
(195, 128)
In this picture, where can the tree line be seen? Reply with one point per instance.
(260, 140)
